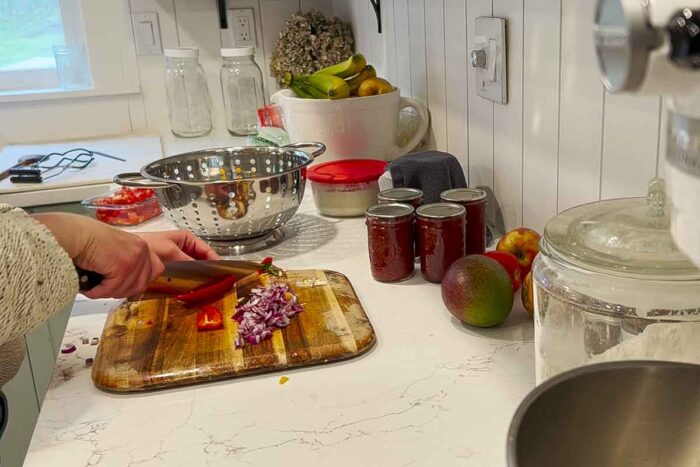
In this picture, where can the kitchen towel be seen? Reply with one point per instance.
(430, 171)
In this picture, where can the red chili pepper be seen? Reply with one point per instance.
(210, 291)
(209, 319)
(266, 264)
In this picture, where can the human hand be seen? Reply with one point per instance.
(178, 245)
(125, 261)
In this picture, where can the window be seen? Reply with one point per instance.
(65, 48)
(34, 52)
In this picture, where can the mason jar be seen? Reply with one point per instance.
(441, 229)
(242, 86)
(189, 104)
(390, 241)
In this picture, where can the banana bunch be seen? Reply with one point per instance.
(317, 86)
(351, 77)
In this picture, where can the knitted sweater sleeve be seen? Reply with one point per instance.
(37, 277)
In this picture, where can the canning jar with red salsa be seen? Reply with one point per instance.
(412, 196)
(440, 238)
(474, 202)
(390, 241)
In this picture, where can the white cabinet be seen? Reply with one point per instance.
(26, 391)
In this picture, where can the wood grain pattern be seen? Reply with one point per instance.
(155, 344)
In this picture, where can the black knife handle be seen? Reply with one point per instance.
(88, 280)
(26, 179)
(24, 171)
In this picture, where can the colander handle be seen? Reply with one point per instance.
(320, 147)
(136, 180)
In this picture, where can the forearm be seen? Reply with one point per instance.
(68, 230)
(37, 277)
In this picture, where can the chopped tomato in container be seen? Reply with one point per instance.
(124, 207)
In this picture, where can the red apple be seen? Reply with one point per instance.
(511, 265)
(524, 244)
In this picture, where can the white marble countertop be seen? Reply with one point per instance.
(431, 392)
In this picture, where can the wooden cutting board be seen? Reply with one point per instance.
(155, 343)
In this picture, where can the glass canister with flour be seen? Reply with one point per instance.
(610, 284)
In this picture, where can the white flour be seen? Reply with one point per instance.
(677, 342)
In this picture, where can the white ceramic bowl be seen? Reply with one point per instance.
(352, 128)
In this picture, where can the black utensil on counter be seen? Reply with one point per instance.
(21, 162)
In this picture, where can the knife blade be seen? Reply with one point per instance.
(183, 276)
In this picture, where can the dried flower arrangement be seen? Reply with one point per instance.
(310, 42)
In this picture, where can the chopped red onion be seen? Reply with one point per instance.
(267, 309)
(68, 348)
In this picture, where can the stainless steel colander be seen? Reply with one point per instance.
(226, 194)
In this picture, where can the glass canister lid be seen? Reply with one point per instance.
(627, 237)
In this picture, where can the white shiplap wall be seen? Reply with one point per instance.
(194, 23)
(182, 23)
(560, 141)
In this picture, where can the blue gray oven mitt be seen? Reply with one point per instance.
(430, 171)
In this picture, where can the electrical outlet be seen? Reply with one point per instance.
(242, 21)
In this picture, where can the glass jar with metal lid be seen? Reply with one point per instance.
(610, 284)
(412, 196)
(390, 241)
(440, 238)
(474, 202)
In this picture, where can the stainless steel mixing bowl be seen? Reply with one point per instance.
(227, 194)
(618, 414)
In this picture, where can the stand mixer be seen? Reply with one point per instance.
(652, 47)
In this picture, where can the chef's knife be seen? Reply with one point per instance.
(182, 276)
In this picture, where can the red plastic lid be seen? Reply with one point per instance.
(347, 171)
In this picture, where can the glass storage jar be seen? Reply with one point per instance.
(242, 86)
(440, 238)
(189, 105)
(390, 241)
(474, 202)
(610, 284)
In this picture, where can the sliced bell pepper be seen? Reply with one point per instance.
(209, 318)
(208, 292)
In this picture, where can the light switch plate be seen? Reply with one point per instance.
(147, 33)
(491, 76)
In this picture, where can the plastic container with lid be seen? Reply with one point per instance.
(440, 229)
(346, 188)
(611, 284)
(124, 207)
(242, 86)
(390, 241)
(189, 104)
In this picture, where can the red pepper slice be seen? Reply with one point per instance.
(266, 264)
(209, 292)
(209, 318)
